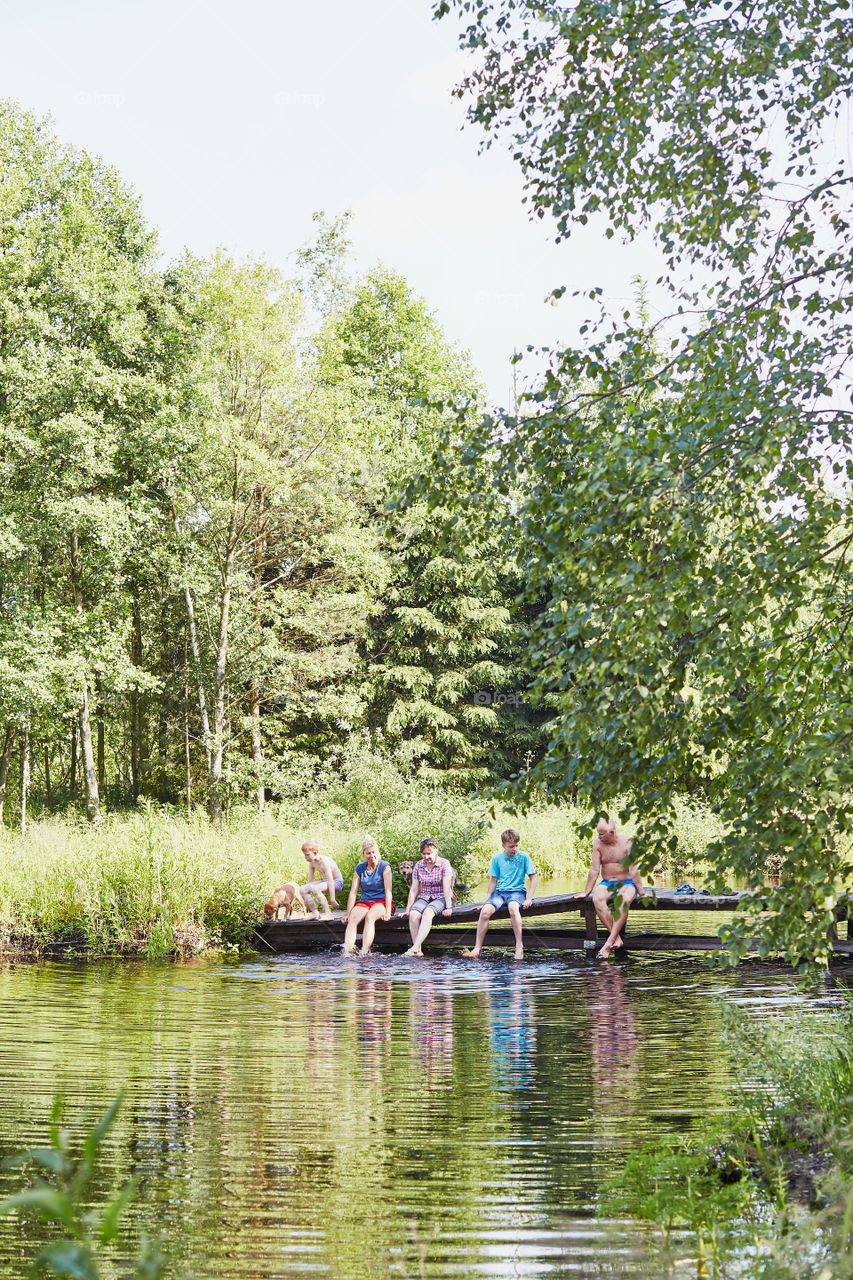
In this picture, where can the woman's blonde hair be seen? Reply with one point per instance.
(369, 843)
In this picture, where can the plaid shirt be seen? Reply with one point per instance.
(430, 878)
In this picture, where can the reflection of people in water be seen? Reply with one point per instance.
(511, 1010)
(431, 1029)
(614, 1038)
(372, 998)
(322, 1034)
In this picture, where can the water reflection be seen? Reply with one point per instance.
(509, 1009)
(614, 1034)
(430, 1015)
(316, 1117)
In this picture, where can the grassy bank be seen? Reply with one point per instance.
(766, 1193)
(159, 881)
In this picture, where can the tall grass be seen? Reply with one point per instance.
(160, 881)
(146, 881)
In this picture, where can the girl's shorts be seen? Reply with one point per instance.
(434, 904)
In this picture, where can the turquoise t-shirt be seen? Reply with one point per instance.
(511, 872)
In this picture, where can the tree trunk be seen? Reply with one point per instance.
(5, 761)
(102, 781)
(136, 659)
(72, 772)
(187, 757)
(214, 800)
(164, 738)
(257, 749)
(47, 788)
(84, 721)
(25, 777)
(202, 701)
(254, 692)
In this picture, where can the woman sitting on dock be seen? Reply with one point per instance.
(373, 877)
(431, 891)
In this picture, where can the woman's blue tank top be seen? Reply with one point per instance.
(372, 887)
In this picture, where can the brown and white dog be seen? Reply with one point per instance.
(284, 899)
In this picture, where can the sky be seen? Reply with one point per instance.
(234, 123)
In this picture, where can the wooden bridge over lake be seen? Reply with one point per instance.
(561, 922)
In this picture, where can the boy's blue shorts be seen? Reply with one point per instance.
(508, 895)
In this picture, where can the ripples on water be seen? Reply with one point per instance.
(315, 1116)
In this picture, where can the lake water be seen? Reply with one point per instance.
(315, 1116)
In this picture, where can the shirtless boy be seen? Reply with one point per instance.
(325, 876)
(610, 853)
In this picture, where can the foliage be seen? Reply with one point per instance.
(90, 425)
(272, 525)
(683, 489)
(152, 882)
(201, 587)
(61, 1196)
(738, 1185)
(441, 646)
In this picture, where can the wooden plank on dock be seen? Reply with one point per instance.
(301, 934)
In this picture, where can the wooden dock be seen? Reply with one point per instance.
(301, 934)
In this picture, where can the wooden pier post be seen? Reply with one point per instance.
(590, 922)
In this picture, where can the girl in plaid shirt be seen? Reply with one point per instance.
(431, 891)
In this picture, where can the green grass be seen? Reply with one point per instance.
(158, 881)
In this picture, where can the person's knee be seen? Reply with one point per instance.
(415, 917)
(487, 911)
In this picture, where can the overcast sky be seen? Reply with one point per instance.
(236, 121)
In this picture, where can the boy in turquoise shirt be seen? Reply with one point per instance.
(508, 871)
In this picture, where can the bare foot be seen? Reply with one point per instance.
(519, 953)
(610, 945)
(313, 915)
(327, 915)
(470, 955)
(349, 951)
(413, 951)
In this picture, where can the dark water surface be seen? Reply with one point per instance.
(315, 1116)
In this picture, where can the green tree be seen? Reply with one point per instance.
(689, 504)
(276, 547)
(88, 427)
(437, 655)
